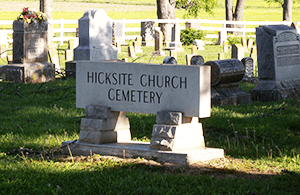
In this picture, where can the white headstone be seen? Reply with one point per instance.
(95, 37)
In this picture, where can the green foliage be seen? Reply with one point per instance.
(234, 40)
(187, 36)
(193, 7)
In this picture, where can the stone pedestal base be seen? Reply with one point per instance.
(230, 95)
(135, 149)
(101, 125)
(70, 69)
(36, 72)
(176, 133)
(275, 91)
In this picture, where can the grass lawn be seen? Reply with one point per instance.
(260, 140)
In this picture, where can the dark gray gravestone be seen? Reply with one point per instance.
(197, 60)
(30, 42)
(278, 59)
(170, 60)
(225, 77)
(30, 54)
(248, 63)
(147, 33)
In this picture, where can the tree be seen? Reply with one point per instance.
(238, 13)
(287, 8)
(166, 10)
(46, 7)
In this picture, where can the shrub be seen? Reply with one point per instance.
(187, 36)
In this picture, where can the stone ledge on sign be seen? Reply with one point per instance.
(134, 149)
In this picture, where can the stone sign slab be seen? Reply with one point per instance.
(144, 88)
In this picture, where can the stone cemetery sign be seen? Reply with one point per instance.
(278, 58)
(144, 88)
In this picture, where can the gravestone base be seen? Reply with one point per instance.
(229, 95)
(70, 69)
(134, 149)
(275, 91)
(37, 72)
(173, 132)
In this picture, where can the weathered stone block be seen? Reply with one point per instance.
(169, 118)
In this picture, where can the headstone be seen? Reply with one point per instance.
(137, 45)
(69, 53)
(147, 33)
(188, 59)
(131, 52)
(225, 77)
(194, 25)
(95, 37)
(119, 32)
(197, 60)
(248, 63)
(244, 44)
(30, 54)
(237, 51)
(194, 49)
(53, 56)
(175, 41)
(109, 89)
(158, 44)
(70, 67)
(170, 60)
(222, 37)
(249, 44)
(278, 59)
(199, 44)
(253, 55)
(225, 46)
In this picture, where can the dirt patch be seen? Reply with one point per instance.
(73, 6)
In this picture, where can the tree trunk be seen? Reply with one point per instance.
(229, 12)
(46, 8)
(239, 9)
(166, 10)
(287, 10)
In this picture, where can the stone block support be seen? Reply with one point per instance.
(173, 132)
(101, 125)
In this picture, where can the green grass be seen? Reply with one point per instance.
(261, 140)
(44, 115)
